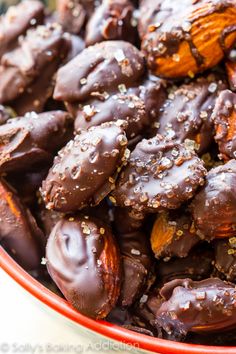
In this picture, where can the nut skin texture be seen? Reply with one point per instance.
(85, 265)
(84, 171)
(225, 258)
(173, 234)
(204, 306)
(184, 38)
(96, 71)
(160, 174)
(112, 20)
(16, 22)
(230, 67)
(26, 141)
(187, 111)
(216, 198)
(40, 52)
(19, 233)
(224, 118)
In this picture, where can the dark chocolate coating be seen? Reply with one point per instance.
(83, 260)
(99, 70)
(17, 20)
(42, 48)
(138, 106)
(125, 318)
(77, 45)
(204, 306)
(160, 174)
(125, 221)
(35, 96)
(26, 141)
(19, 233)
(102, 211)
(223, 338)
(224, 118)
(112, 20)
(225, 257)
(214, 206)
(84, 171)
(47, 219)
(120, 106)
(178, 37)
(187, 111)
(136, 263)
(27, 184)
(152, 91)
(120, 316)
(73, 14)
(145, 309)
(197, 266)
(173, 235)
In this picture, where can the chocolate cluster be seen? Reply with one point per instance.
(118, 160)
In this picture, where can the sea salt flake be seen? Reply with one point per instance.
(119, 55)
(135, 252)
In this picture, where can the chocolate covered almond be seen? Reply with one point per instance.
(112, 20)
(17, 20)
(26, 141)
(205, 306)
(83, 260)
(99, 70)
(160, 174)
(19, 233)
(182, 38)
(85, 171)
(213, 207)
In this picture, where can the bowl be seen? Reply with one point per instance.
(139, 342)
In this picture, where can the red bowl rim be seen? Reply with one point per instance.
(106, 329)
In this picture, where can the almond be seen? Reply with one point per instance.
(83, 260)
(231, 73)
(190, 37)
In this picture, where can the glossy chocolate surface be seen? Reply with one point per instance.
(186, 114)
(33, 138)
(19, 233)
(225, 258)
(99, 70)
(213, 207)
(83, 260)
(17, 20)
(224, 116)
(84, 171)
(207, 305)
(112, 20)
(160, 174)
